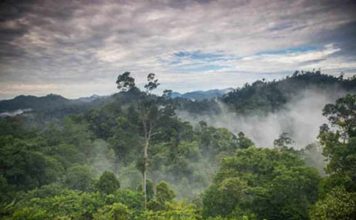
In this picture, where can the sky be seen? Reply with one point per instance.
(78, 48)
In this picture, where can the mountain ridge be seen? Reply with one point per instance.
(56, 100)
(258, 96)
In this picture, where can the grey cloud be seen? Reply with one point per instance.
(66, 43)
(343, 37)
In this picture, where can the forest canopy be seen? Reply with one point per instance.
(130, 156)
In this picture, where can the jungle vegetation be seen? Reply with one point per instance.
(129, 156)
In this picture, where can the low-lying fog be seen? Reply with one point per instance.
(300, 118)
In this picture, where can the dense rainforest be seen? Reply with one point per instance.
(132, 155)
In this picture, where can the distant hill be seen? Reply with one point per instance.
(260, 96)
(89, 99)
(270, 96)
(54, 102)
(33, 102)
(202, 95)
(50, 105)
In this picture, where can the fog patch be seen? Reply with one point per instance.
(301, 118)
(14, 113)
(313, 157)
(103, 157)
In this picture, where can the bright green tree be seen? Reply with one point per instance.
(337, 204)
(265, 183)
(116, 211)
(340, 141)
(338, 190)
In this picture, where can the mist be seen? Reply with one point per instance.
(14, 113)
(301, 118)
(103, 157)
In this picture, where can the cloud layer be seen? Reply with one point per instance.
(78, 48)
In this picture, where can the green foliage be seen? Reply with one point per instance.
(339, 143)
(164, 193)
(243, 141)
(23, 166)
(67, 205)
(270, 184)
(6, 191)
(67, 154)
(132, 199)
(102, 121)
(31, 214)
(216, 140)
(174, 211)
(47, 172)
(15, 127)
(107, 183)
(79, 177)
(262, 97)
(125, 140)
(45, 191)
(116, 211)
(338, 190)
(55, 202)
(221, 199)
(337, 204)
(149, 189)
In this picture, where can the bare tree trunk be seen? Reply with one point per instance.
(145, 158)
(147, 131)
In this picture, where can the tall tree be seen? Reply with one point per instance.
(148, 114)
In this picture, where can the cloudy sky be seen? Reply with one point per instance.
(77, 48)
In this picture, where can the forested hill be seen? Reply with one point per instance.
(49, 106)
(52, 102)
(263, 110)
(270, 96)
(202, 95)
(260, 96)
(263, 96)
(33, 102)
